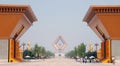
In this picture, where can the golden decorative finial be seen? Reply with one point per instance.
(90, 47)
(28, 46)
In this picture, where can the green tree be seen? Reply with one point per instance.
(32, 51)
(37, 51)
(70, 54)
(81, 50)
(43, 51)
(76, 51)
(49, 54)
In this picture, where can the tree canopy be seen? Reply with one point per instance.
(78, 51)
(37, 52)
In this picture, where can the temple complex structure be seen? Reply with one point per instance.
(105, 22)
(14, 22)
(59, 45)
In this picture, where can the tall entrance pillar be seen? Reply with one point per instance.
(105, 22)
(14, 22)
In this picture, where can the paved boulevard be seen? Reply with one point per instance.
(56, 62)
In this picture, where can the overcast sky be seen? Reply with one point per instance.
(60, 17)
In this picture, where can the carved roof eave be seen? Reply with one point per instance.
(26, 9)
(93, 10)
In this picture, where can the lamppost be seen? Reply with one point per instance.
(96, 46)
(23, 46)
(96, 49)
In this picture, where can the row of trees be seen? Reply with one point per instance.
(80, 51)
(37, 52)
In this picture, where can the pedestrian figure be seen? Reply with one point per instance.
(90, 60)
(113, 59)
(81, 59)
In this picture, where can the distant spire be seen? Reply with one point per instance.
(28, 46)
(90, 47)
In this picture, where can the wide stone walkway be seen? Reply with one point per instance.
(55, 62)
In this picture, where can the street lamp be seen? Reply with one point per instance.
(96, 46)
(23, 44)
(96, 49)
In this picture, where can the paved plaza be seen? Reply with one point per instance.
(56, 62)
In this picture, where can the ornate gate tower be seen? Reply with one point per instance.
(59, 45)
(14, 22)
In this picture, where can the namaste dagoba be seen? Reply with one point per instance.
(59, 45)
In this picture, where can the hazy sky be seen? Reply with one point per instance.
(60, 17)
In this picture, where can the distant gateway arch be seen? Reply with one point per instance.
(59, 46)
